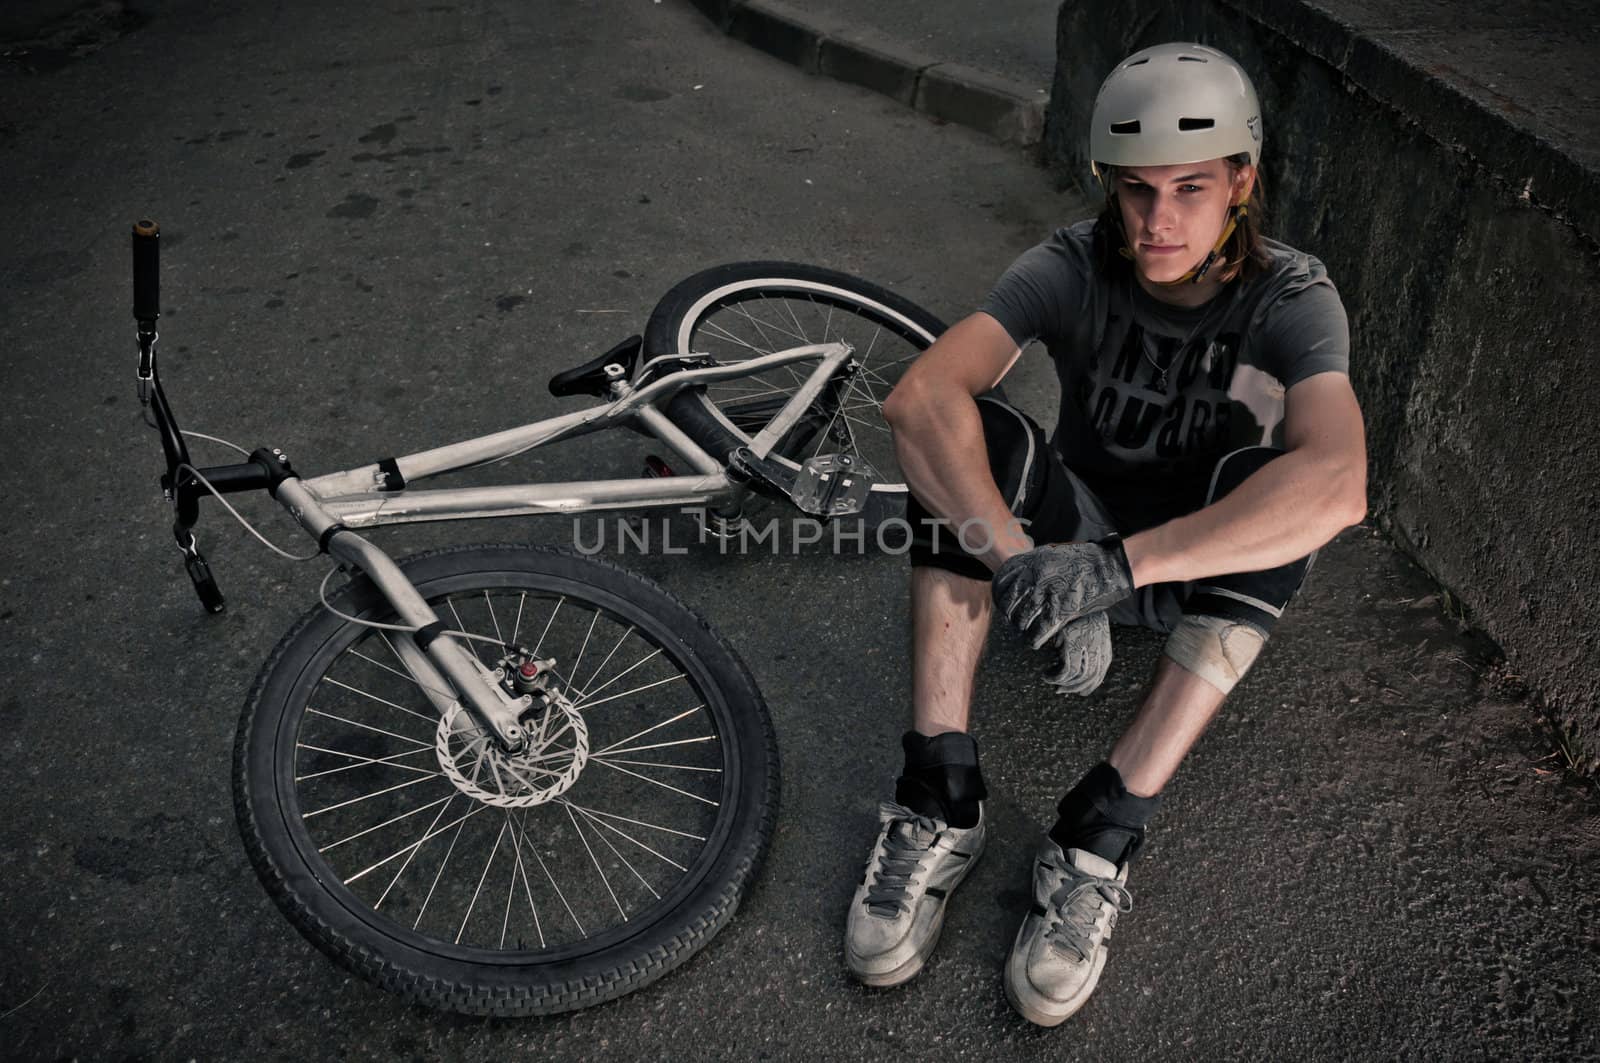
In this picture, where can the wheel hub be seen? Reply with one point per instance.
(557, 749)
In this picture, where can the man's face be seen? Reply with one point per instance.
(1174, 214)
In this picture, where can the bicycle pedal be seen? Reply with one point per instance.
(833, 485)
(655, 468)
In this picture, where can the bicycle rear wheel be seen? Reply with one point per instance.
(416, 854)
(747, 309)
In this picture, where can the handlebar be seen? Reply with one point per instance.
(264, 470)
(146, 272)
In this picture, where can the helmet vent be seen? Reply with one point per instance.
(1125, 128)
(1192, 59)
(1139, 62)
(1189, 125)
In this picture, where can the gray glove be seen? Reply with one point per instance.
(1042, 590)
(1085, 646)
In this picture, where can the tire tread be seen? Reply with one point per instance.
(532, 999)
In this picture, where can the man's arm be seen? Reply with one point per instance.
(938, 433)
(1288, 508)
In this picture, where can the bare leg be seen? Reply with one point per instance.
(1176, 710)
(949, 625)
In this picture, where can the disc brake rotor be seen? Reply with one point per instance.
(558, 748)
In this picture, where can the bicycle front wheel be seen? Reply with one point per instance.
(411, 849)
(741, 311)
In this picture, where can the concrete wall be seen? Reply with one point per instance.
(1475, 315)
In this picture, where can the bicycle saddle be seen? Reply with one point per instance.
(590, 378)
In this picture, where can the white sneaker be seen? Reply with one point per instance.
(1061, 945)
(898, 909)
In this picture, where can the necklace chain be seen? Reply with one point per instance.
(1162, 370)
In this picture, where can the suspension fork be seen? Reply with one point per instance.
(438, 661)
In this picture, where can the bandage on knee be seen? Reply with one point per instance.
(1218, 650)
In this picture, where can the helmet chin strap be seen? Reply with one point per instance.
(1196, 275)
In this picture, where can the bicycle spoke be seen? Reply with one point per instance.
(764, 348)
(664, 745)
(654, 782)
(635, 841)
(368, 727)
(628, 863)
(587, 635)
(635, 822)
(414, 845)
(861, 387)
(775, 326)
(445, 800)
(522, 824)
(603, 876)
(527, 887)
(867, 355)
(382, 701)
(827, 430)
(522, 599)
(361, 761)
(367, 797)
(854, 446)
(827, 322)
(392, 882)
(547, 623)
(379, 664)
(584, 701)
(758, 389)
(511, 889)
(857, 422)
(657, 764)
(799, 329)
(584, 690)
(481, 880)
(492, 618)
(731, 338)
(440, 873)
(472, 644)
(647, 730)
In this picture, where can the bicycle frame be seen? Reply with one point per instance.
(358, 498)
(328, 507)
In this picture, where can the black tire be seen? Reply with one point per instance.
(739, 311)
(306, 739)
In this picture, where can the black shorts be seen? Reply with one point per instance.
(1056, 506)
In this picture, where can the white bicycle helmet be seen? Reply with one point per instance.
(1173, 104)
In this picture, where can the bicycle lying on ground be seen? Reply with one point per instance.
(512, 780)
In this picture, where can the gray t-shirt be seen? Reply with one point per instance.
(1145, 416)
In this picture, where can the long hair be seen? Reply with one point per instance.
(1244, 253)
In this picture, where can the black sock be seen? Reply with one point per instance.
(1100, 815)
(941, 777)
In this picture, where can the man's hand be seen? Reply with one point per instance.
(1085, 646)
(1043, 590)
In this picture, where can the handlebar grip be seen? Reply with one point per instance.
(146, 270)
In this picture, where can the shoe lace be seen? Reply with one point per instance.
(907, 839)
(1075, 908)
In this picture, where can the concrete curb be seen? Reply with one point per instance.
(952, 92)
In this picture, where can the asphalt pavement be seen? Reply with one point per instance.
(386, 225)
